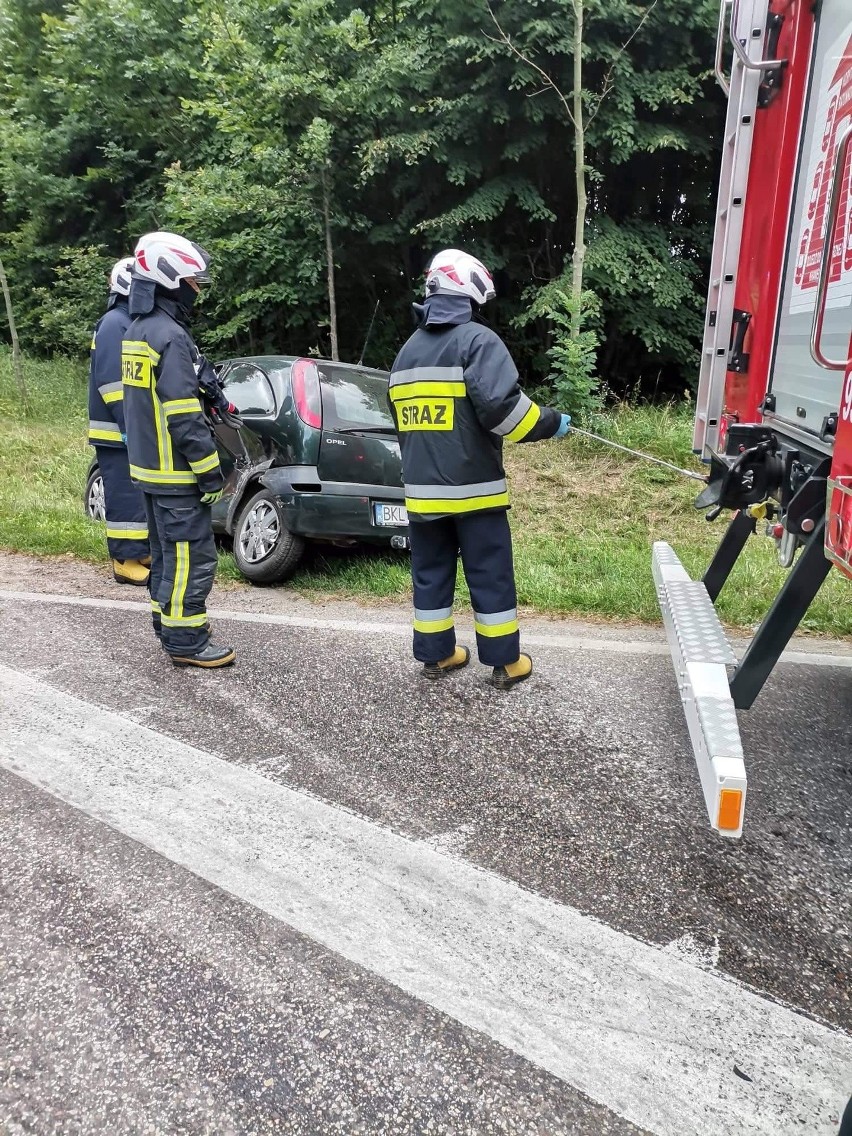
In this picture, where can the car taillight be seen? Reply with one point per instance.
(306, 392)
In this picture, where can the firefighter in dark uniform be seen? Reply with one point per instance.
(172, 453)
(126, 522)
(455, 394)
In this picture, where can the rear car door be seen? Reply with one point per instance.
(242, 450)
(359, 447)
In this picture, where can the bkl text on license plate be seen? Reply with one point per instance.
(390, 515)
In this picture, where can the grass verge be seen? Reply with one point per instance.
(583, 517)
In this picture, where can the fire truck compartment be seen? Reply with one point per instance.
(805, 394)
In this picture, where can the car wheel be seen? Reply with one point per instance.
(93, 501)
(265, 550)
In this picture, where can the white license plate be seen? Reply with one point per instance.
(390, 516)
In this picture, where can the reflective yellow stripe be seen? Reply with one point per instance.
(93, 344)
(127, 534)
(455, 505)
(433, 626)
(206, 465)
(525, 425)
(182, 406)
(140, 347)
(181, 580)
(428, 390)
(164, 442)
(161, 477)
(113, 396)
(184, 620)
(105, 436)
(492, 630)
(176, 607)
(155, 607)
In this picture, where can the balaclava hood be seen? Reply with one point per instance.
(142, 296)
(443, 310)
(186, 297)
(117, 299)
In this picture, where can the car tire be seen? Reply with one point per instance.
(265, 550)
(93, 499)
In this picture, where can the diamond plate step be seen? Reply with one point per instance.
(701, 655)
(699, 632)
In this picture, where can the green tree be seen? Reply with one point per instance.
(90, 116)
(501, 139)
(286, 91)
(76, 299)
(324, 151)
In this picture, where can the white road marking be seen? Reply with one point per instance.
(566, 642)
(639, 1029)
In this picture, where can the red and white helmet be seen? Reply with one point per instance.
(167, 259)
(456, 273)
(119, 278)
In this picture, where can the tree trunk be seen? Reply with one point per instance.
(579, 258)
(17, 368)
(329, 257)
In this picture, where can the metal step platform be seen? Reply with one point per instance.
(701, 655)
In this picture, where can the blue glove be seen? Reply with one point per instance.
(212, 498)
(124, 438)
(564, 426)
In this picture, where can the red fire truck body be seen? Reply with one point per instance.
(774, 402)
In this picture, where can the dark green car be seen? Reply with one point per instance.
(316, 459)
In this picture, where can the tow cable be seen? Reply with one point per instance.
(638, 454)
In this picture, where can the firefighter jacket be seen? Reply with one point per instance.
(106, 394)
(455, 397)
(169, 442)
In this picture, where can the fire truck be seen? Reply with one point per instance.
(774, 403)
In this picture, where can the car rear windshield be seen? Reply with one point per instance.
(352, 398)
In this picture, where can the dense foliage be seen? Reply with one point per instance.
(261, 128)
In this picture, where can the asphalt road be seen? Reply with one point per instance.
(314, 894)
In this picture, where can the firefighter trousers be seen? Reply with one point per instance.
(485, 542)
(126, 522)
(183, 564)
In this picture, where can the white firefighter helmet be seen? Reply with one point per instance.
(119, 278)
(456, 273)
(167, 259)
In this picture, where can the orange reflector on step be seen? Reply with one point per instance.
(730, 809)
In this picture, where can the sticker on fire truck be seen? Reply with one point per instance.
(834, 111)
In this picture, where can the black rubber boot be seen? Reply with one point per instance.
(209, 657)
(459, 658)
(506, 677)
